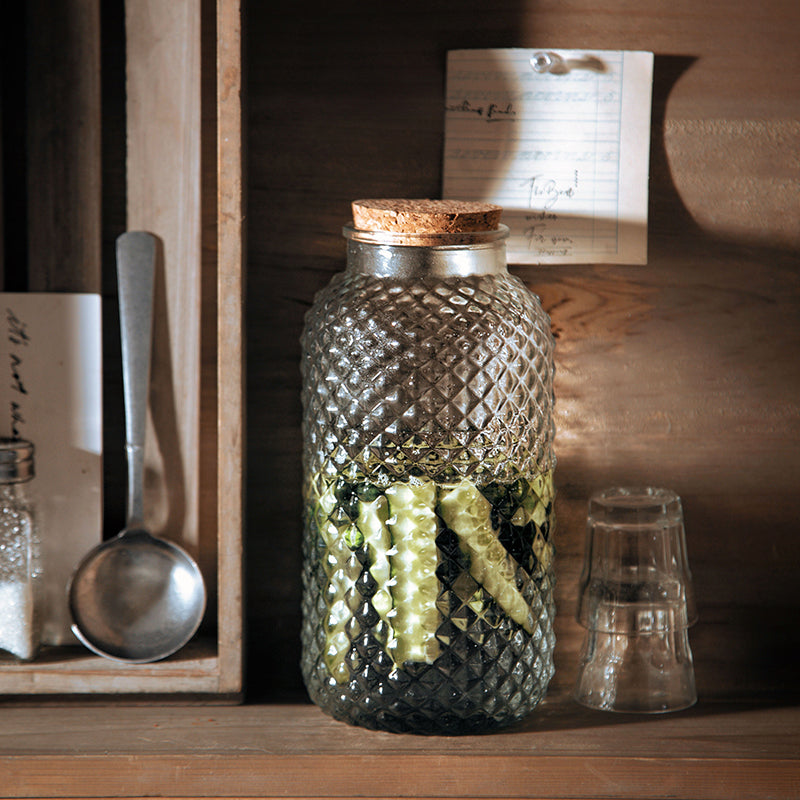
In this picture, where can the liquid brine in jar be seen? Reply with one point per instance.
(428, 477)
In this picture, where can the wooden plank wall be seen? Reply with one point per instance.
(164, 196)
(63, 146)
(172, 181)
(683, 372)
(230, 372)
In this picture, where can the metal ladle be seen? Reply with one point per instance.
(136, 598)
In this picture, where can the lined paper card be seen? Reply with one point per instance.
(561, 140)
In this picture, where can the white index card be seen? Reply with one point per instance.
(561, 140)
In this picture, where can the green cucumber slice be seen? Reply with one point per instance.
(342, 569)
(415, 587)
(469, 515)
(371, 523)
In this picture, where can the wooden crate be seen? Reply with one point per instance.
(182, 179)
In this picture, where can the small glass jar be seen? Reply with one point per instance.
(20, 571)
(428, 482)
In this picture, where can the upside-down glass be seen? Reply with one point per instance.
(428, 487)
(636, 601)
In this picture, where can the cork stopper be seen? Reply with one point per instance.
(425, 216)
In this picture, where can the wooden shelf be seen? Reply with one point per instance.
(715, 750)
(59, 672)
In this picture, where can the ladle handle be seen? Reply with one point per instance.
(136, 258)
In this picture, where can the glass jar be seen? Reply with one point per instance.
(20, 633)
(428, 486)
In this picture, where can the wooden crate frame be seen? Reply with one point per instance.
(172, 127)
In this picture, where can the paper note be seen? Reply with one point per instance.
(561, 140)
(51, 394)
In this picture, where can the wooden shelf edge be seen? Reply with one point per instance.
(293, 751)
(458, 776)
(230, 344)
(66, 671)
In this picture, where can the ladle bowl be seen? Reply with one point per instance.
(137, 599)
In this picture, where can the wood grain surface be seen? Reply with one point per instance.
(296, 751)
(230, 352)
(164, 196)
(63, 152)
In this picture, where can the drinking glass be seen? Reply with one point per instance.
(636, 602)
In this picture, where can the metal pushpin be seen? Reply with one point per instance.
(547, 61)
(544, 62)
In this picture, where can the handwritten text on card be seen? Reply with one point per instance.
(564, 151)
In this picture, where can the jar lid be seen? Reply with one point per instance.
(425, 216)
(16, 460)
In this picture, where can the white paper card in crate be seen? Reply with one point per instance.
(51, 394)
(565, 150)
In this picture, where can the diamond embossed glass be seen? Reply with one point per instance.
(428, 486)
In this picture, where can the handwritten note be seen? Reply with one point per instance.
(51, 394)
(560, 139)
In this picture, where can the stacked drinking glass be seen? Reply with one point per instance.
(636, 603)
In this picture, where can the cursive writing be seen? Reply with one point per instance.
(546, 192)
(491, 113)
(539, 237)
(496, 112)
(465, 107)
(17, 333)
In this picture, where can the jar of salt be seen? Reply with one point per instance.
(19, 562)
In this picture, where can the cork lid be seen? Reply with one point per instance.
(425, 216)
